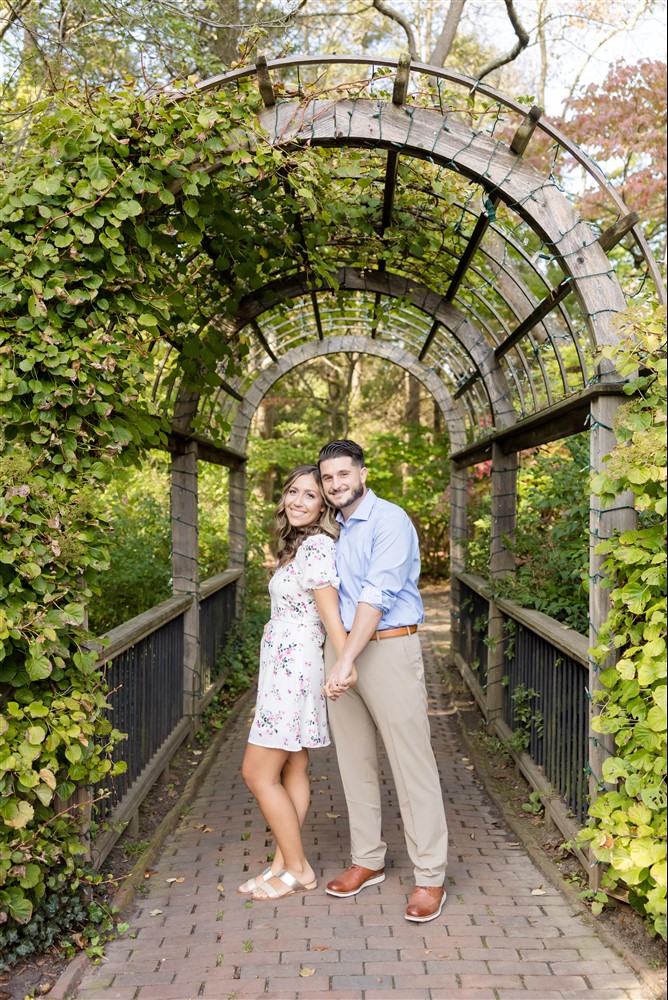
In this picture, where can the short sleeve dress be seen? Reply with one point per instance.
(291, 710)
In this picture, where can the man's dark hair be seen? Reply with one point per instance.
(342, 449)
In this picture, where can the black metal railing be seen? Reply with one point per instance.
(543, 714)
(473, 623)
(546, 706)
(146, 674)
(145, 682)
(217, 612)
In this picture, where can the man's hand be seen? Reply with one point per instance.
(342, 677)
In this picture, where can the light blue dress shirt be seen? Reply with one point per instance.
(389, 580)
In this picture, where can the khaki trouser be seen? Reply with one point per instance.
(390, 698)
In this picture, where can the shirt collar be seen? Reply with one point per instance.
(363, 512)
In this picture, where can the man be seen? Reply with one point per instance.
(376, 685)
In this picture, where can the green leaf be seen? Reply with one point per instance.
(17, 814)
(49, 184)
(35, 735)
(645, 852)
(17, 904)
(147, 320)
(38, 668)
(658, 872)
(614, 768)
(31, 876)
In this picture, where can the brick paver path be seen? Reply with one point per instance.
(191, 935)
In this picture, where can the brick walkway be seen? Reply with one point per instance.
(504, 933)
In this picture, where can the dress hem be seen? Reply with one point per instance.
(302, 746)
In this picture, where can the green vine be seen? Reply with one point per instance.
(628, 823)
(95, 223)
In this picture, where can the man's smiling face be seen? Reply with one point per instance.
(343, 483)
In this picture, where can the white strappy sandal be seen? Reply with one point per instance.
(249, 887)
(293, 886)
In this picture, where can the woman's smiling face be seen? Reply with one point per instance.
(303, 502)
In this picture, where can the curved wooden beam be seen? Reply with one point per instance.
(480, 158)
(452, 415)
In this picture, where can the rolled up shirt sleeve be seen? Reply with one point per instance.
(394, 557)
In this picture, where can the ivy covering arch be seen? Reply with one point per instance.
(165, 257)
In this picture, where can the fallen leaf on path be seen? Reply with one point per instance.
(320, 947)
(154, 913)
(333, 815)
(181, 878)
(220, 887)
(307, 972)
(539, 892)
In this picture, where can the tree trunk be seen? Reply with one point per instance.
(223, 41)
(412, 417)
(443, 44)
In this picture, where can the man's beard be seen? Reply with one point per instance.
(354, 496)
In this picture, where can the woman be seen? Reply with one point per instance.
(291, 714)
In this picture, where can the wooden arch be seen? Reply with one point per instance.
(299, 356)
(500, 348)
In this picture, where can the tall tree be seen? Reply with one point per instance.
(621, 122)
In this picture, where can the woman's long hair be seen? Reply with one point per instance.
(289, 537)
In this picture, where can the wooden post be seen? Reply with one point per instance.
(237, 527)
(604, 523)
(501, 563)
(458, 533)
(185, 566)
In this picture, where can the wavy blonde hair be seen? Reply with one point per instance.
(290, 538)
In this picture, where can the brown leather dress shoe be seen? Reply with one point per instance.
(353, 880)
(426, 903)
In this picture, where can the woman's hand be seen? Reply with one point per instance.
(340, 680)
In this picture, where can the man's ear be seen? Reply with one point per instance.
(363, 474)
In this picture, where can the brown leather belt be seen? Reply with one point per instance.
(392, 633)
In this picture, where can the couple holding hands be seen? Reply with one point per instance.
(348, 568)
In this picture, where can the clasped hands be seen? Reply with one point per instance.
(340, 680)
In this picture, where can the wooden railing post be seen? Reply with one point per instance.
(604, 523)
(237, 528)
(458, 533)
(185, 566)
(501, 563)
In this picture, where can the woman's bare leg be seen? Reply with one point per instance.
(296, 781)
(264, 769)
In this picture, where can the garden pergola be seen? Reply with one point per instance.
(501, 316)
(282, 212)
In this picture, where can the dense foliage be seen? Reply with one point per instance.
(621, 121)
(552, 538)
(82, 295)
(138, 539)
(628, 826)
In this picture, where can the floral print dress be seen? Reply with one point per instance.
(291, 710)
